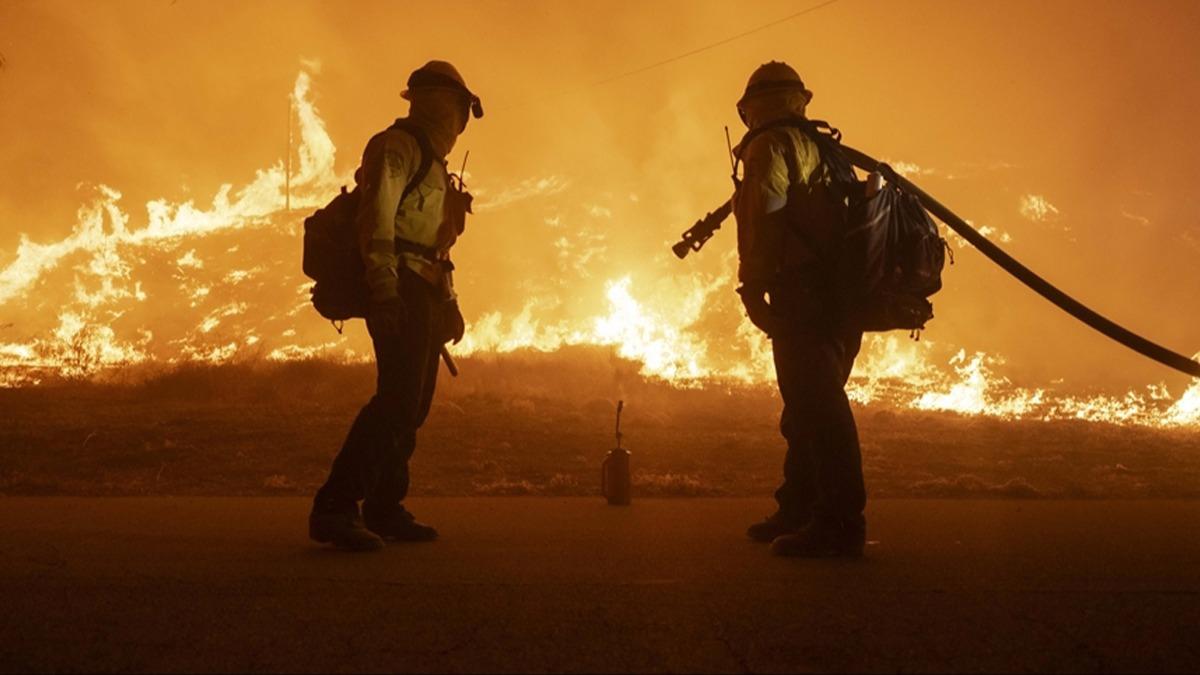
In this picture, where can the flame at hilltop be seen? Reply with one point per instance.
(115, 273)
(221, 283)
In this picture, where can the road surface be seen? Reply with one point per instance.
(544, 584)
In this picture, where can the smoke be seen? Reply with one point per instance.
(1067, 156)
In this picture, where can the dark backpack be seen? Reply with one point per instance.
(332, 256)
(890, 262)
(885, 255)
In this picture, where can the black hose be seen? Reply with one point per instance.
(1027, 276)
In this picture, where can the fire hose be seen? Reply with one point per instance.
(695, 238)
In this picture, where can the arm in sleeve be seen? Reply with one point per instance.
(389, 162)
(759, 210)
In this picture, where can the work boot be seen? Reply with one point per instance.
(343, 529)
(775, 525)
(397, 524)
(823, 539)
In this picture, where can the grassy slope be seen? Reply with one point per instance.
(535, 424)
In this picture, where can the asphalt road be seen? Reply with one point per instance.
(537, 584)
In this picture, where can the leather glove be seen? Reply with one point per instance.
(386, 318)
(759, 311)
(453, 325)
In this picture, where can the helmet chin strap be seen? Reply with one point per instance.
(768, 107)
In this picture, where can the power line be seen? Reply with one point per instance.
(716, 44)
(680, 57)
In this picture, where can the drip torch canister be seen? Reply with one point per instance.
(615, 483)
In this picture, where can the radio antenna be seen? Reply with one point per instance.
(732, 159)
(462, 172)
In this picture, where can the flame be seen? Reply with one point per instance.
(972, 393)
(210, 260)
(662, 344)
(105, 249)
(1186, 411)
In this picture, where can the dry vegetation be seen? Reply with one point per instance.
(535, 424)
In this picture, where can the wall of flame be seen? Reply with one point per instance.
(582, 186)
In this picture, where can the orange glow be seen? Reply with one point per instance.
(582, 188)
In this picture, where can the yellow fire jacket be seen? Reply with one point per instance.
(765, 245)
(431, 217)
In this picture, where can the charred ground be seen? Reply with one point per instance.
(535, 424)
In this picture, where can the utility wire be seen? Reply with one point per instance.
(714, 45)
(679, 57)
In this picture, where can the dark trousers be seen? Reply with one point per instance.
(822, 470)
(373, 462)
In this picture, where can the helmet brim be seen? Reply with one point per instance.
(768, 88)
(476, 103)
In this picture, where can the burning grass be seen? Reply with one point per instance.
(531, 423)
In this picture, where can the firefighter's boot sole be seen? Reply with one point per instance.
(344, 531)
(818, 542)
(773, 527)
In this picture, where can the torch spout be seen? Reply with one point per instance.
(620, 407)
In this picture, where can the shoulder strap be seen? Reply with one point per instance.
(828, 141)
(426, 148)
(793, 167)
(803, 233)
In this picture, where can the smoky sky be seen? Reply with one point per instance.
(1066, 128)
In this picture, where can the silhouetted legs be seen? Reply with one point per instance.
(373, 462)
(823, 466)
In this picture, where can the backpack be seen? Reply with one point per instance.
(885, 257)
(891, 261)
(332, 257)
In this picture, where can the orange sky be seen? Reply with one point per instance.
(1089, 105)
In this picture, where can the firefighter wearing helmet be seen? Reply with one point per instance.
(784, 239)
(410, 214)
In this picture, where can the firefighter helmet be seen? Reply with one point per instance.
(442, 75)
(773, 77)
